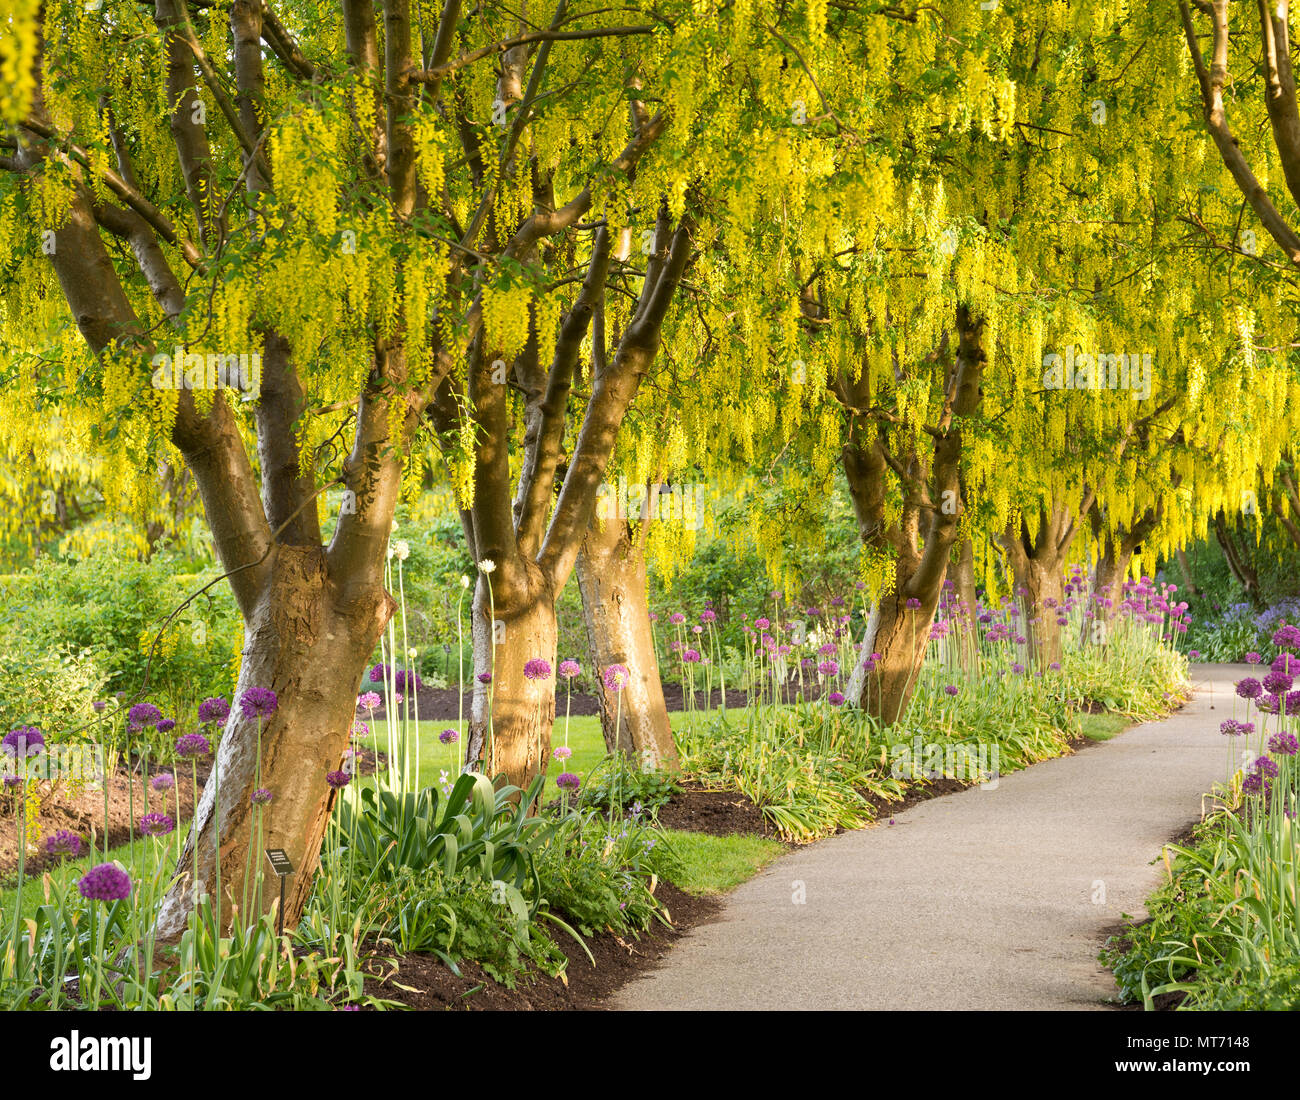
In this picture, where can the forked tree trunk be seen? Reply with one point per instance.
(1041, 587)
(511, 716)
(612, 580)
(309, 647)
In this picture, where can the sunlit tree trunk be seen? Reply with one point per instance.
(612, 580)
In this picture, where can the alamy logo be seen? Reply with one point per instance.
(1103, 371)
(98, 1054)
(196, 371)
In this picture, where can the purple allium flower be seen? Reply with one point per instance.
(829, 668)
(708, 615)
(193, 744)
(1253, 783)
(163, 782)
(1267, 767)
(378, 674)
(258, 702)
(1286, 637)
(141, 715)
(691, 656)
(337, 780)
(677, 618)
(951, 689)
(1284, 743)
(537, 669)
(1287, 663)
(1250, 688)
(359, 729)
(1231, 728)
(569, 669)
(105, 882)
(407, 680)
(835, 698)
(913, 604)
(1017, 667)
(485, 677)
(1277, 683)
(63, 843)
(563, 752)
(567, 781)
(369, 700)
(1055, 666)
(165, 725)
(156, 825)
(1253, 658)
(99, 705)
(616, 677)
(260, 797)
(762, 623)
(449, 736)
(12, 780)
(214, 710)
(22, 743)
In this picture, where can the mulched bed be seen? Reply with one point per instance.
(718, 813)
(618, 960)
(84, 815)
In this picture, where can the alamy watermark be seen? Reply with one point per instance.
(980, 763)
(214, 370)
(681, 504)
(1103, 371)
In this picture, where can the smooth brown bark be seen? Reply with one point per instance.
(612, 579)
(308, 642)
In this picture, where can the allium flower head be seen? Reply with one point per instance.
(484, 677)
(192, 745)
(164, 725)
(22, 743)
(616, 677)
(1250, 688)
(63, 843)
(1284, 743)
(213, 710)
(569, 669)
(691, 656)
(260, 797)
(487, 565)
(163, 782)
(835, 698)
(449, 736)
(141, 715)
(156, 825)
(708, 615)
(1287, 663)
(105, 882)
(562, 752)
(537, 669)
(337, 779)
(567, 781)
(762, 623)
(829, 668)
(1286, 637)
(1253, 658)
(912, 604)
(258, 702)
(951, 689)
(677, 618)
(368, 700)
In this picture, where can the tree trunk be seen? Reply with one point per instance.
(511, 717)
(1239, 560)
(966, 603)
(1041, 588)
(900, 636)
(612, 580)
(310, 647)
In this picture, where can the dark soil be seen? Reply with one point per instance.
(618, 960)
(718, 813)
(84, 815)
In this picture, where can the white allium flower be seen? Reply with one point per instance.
(403, 549)
(464, 581)
(487, 565)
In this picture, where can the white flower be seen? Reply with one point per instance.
(412, 653)
(464, 581)
(394, 527)
(487, 565)
(403, 549)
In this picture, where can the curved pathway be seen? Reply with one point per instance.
(986, 899)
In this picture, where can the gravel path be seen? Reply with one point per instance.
(987, 899)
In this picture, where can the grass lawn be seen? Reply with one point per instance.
(1102, 727)
(716, 864)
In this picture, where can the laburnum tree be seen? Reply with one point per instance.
(236, 233)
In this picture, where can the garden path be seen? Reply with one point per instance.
(986, 899)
